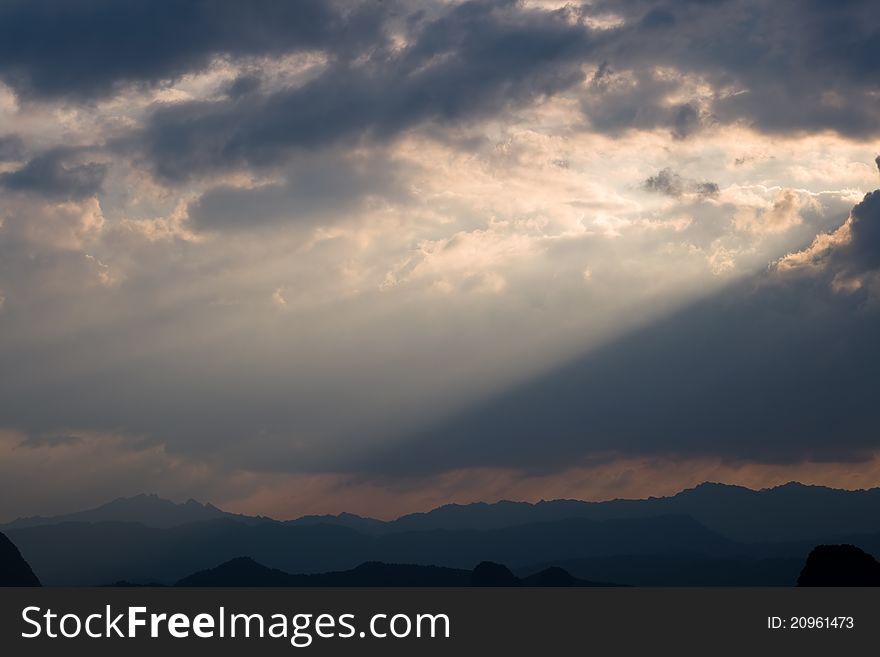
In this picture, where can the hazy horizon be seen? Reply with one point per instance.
(181, 502)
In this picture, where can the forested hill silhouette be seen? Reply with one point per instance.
(840, 565)
(14, 570)
(244, 571)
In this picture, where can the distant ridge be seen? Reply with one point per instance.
(792, 511)
(789, 512)
(350, 520)
(146, 509)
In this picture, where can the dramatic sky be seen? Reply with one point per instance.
(378, 255)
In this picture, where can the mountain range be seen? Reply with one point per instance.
(712, 534)
(792, 511)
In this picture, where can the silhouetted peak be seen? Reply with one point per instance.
(145, 508)
(713, 488)
(554, 576)
(14, 570)
(239, 571)
(794, 485)
(488, 573)
(840, 565)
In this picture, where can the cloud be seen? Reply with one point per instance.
(770, 369)
(52, 48)
(40, 226)
(44, 478)
(402, 63)
(824, 80)
(294, 234)
(782, 215)
(322, 188)
(668, 182)
(11, 148)
(50, 441)
(57, 174)
(850, 255)
(49, 474)
(863, 251)
(473, 62)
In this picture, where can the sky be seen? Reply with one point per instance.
(379, 255)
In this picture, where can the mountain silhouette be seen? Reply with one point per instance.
(789, 512)
(14, 570)
(709, 535)
(97, 553)
(839, 565)
(488, 573)
(245, 572)
(149, 510)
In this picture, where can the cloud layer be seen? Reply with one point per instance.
(329, 244)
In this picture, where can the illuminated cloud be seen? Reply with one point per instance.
(328, 242)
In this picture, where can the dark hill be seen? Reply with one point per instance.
(488, 573)
(558, 577)
(241, 571)
(840, 565)
(14, 570)
(245, 572)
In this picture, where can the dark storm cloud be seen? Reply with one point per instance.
(780, 66)
(56, 174)
(474, 61)
(55, 48)
(668, 182)
(638, 103)
(775, 369)
(862, 253)
(846, 256)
